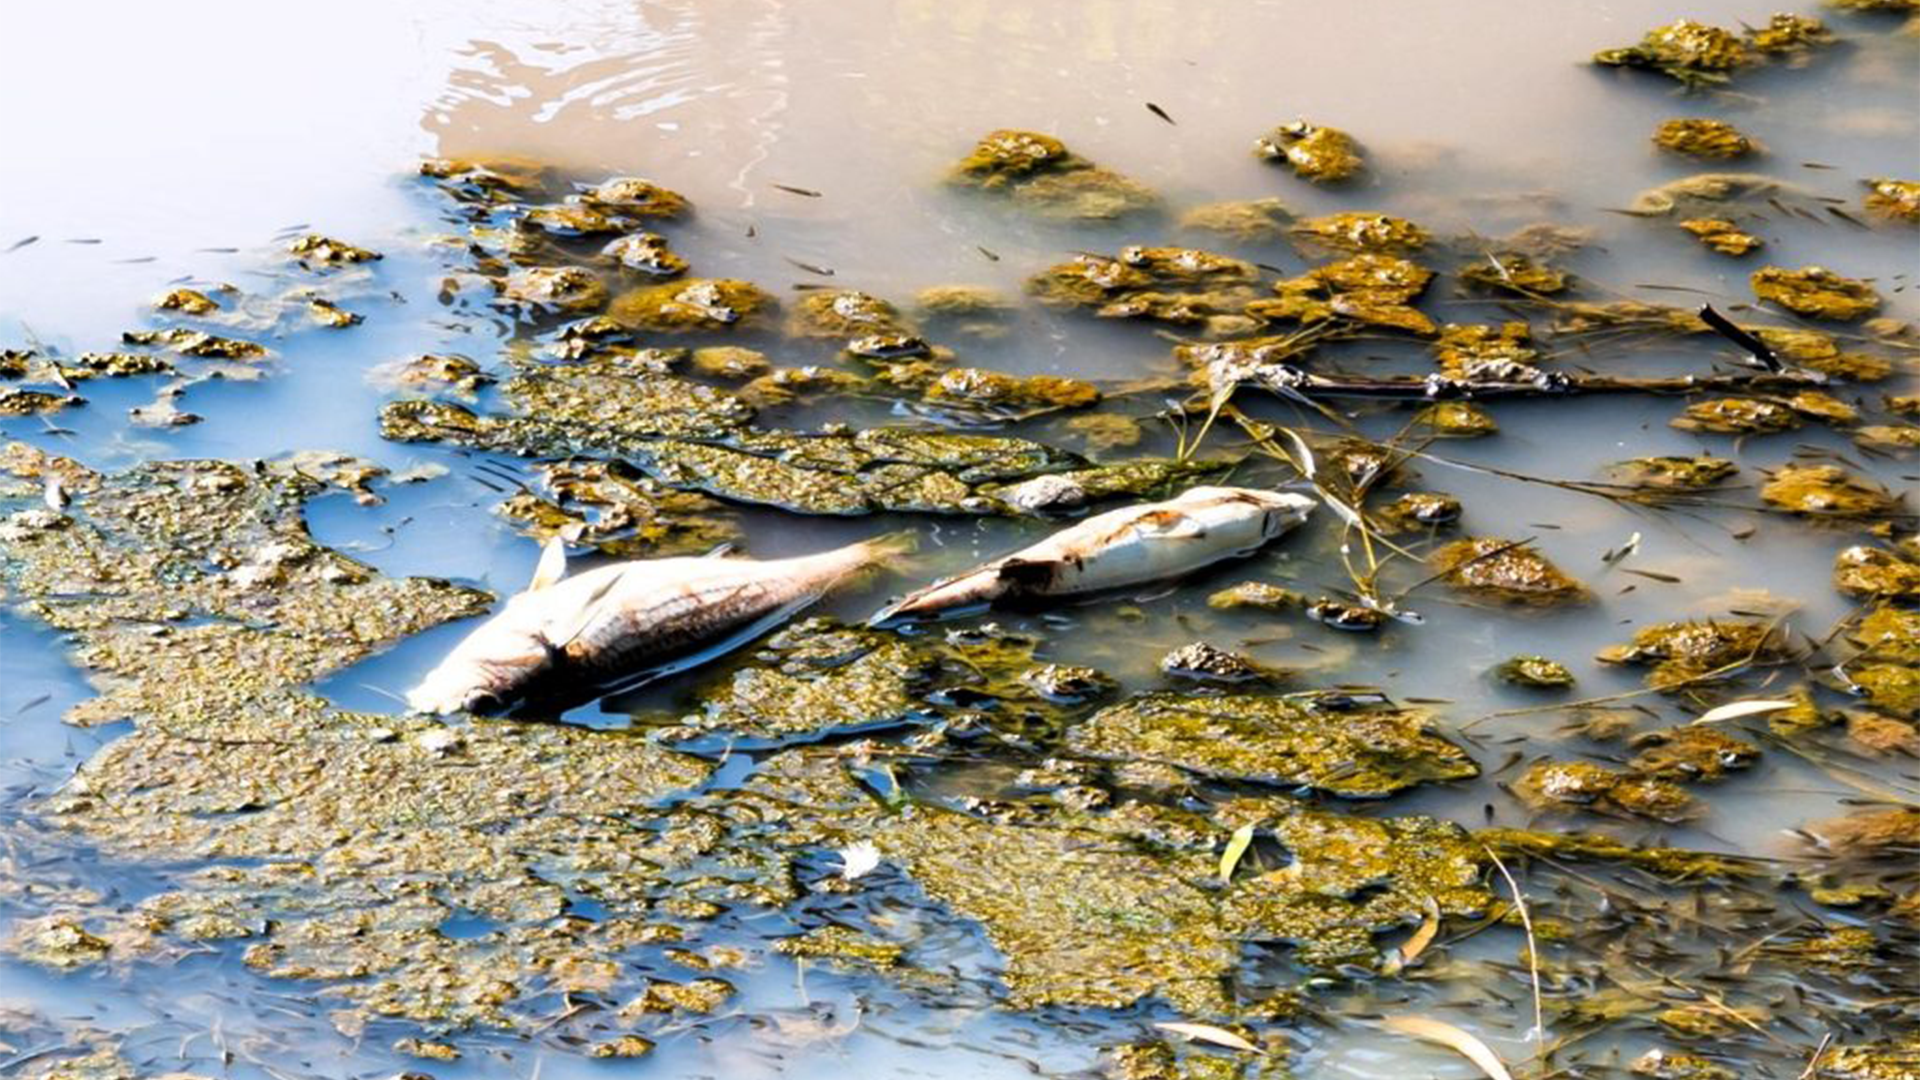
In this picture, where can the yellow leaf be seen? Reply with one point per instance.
(1236, 847)
(1736, 709)
(1209, 1033)
(1427, 1029)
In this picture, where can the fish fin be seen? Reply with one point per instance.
(719, 551)
(552, 566)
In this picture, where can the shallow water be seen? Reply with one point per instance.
(1476, 118)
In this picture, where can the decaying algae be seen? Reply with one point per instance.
(1816, 292)
(1723, 236)
(1893, 200)
(1040, 174)
(1357, 752)
(1682, 653)
(1700, 137)
(1368, 289)
(1826, 491)
(1506, 572)
(1696, 54)
(1314, 152)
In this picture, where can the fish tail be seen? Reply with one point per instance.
(978, 587)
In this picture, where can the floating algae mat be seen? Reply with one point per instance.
(1575, 733)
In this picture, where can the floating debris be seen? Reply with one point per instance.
(1702, 138)
(1723, 236)
(1321, 154)
(1816, 292)
(1506, 571)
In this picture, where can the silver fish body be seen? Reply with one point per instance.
(616, 622)
(1121, 548)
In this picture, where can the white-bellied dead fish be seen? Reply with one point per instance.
(1120, 548)
(569, 637)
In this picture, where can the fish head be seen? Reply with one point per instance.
(485, 673)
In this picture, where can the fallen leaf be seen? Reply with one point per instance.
(1211, 1034)
(1467, 1045)
(1236, 847)
(1735, 709)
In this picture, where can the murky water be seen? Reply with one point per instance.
(813, 140)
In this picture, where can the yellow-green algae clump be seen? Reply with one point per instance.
(340, 841)
(1040, 174)
(1702, 138)
(1314, 152)
(1816, 292)
(1358, 752)
(1512, 573)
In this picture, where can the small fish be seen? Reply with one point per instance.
(823, 271)
(566, 637)
(1159, 112)
(798, 191)
(991, 256)
(18, 244)
(1130, 546)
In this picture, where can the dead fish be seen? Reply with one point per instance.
(630, 621)
(1130, 546)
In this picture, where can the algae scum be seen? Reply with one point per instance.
(1583, 715)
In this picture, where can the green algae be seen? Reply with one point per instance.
(1248, 221)
(1515, 274)
(1673, 473)
(1357, 232)
(1698, 137)
(1359, 753)
(1324, 155)
(1201, 662)
(565, 290)
(1456, 420)
(1723, 236)
(315, 249)
(1692, 53)
(1698, 55)
(995, 391)
(631, 196)
(729, 362)
(1041, 175)
(1737, 416)
(1681, 653)
(1816, 292)
(610, 506)
(200, 608)
(1353, 878)
(1820, 352)
(689, 305)
(842, 945)
(1897, 1058)
(1367, 289)
(1537, 672)
(646, 253)
(1893, 438)
(1893, 200)
(1474, 351)
(1670, 864)
(1585, 785)
(1490, 568)
(429, 370)
(1709, 194)
(842, 313)
(572, 220)
(1258, 595)
(1826, 491)
(197, 343)
(1692, 752)
(18, 401)
(1415, 511)
(187, 302)
(816, 677)
(1661, 1064)
(1865, 572)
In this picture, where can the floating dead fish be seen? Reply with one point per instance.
(1120, 548)
(569, 637)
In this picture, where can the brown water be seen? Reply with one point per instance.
(185, 141)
